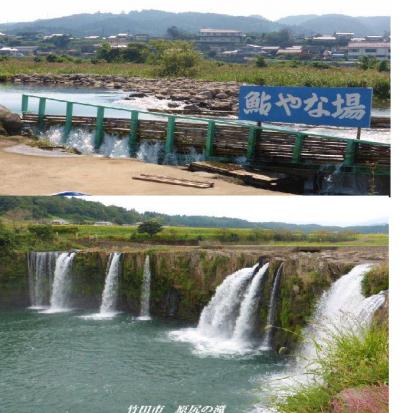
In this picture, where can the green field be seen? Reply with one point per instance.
(275, 74)
(90, 236)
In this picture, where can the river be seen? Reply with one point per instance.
(65, 363)
(10, 96)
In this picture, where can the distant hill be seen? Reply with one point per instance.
(77, 210)
(152, 22)
(156, 23)
(330, 23)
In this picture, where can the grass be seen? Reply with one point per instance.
(376, 280)
(351, 360)
(275, 74)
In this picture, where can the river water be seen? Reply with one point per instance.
(10, 96)
(64, 363)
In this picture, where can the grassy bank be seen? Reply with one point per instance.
(275, 74)
(351, 361)
(376, 280)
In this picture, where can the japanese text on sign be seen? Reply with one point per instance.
(316, 106)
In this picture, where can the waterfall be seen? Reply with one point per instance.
(40, 270)
(273, 302)
(61, 283)
(109, 296)
(228, 323)
(342, 308)
(246, 323)
(145, 298)
(218, 318)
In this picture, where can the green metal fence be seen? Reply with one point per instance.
(253, 130)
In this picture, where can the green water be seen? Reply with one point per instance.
(56, 363)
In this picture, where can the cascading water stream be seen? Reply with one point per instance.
(40, 270)
(61, 283)
(228, 323)
(146, 291)
(109, 296)
(272, 307)
(246, 322)
(342, 308)
(218, 318)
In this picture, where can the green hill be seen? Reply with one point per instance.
(77, 210)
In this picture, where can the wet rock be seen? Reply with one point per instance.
(207, 94)
(180, 97)
(137, 94)
(221, 96)
(173, 104)
(222, 105)
(10, 122)
(192, 108)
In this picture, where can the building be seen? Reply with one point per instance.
(27, 50)
(10, 51)
(292, 52)
(378, 50)
(59, 221)
(220, 39)
(373, 39)
(103, 224)
(326, 40)
(344, 36)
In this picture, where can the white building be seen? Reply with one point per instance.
(10, 51)
(344, 35)
(377, 50)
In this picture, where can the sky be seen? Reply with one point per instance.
(297, 210)
(28, 10)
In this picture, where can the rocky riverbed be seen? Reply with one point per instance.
(190, 96)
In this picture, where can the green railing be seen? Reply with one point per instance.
(253, 130)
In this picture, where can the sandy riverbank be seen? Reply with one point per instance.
(37, 173)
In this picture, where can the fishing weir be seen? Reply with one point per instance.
(260, 147)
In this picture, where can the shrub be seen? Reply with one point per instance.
(260, 61)
(42, 232)
(180, 60)
(382, 88)
(384, 66)
(51, 58)
(7, 240)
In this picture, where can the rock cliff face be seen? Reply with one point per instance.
(184, 281)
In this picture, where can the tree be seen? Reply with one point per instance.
(150, 227)
(135, 53)
(7, 240)
(173, 33)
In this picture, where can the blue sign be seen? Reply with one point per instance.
(349, 107)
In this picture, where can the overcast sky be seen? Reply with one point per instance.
(341, 211)
(27, 10)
